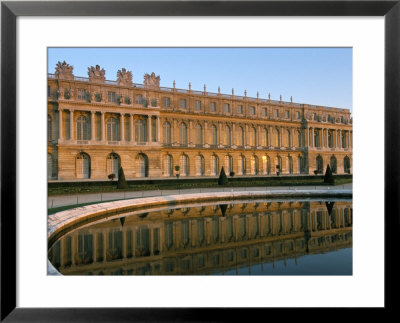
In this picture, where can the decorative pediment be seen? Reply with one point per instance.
(64, 71)
(152, 81)
(96, 75)
(124, 77)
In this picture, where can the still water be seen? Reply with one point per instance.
(257, 237)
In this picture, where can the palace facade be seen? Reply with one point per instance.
(96, 125)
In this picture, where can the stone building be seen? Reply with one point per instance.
(96, 125)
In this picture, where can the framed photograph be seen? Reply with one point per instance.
(105, 131)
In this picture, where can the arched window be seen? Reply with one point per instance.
(319, 165)
(253, 137)
(346, 165)
(333, 164)
(82, 128)
(266, 165)
(214, 165)
(228, 161)
(183, 134)
(317, 138)
(168, 171)
(240, 136)
(277, 138)
(241, 165)
(82, 166)
(199, 165)
(214, 135)
(199, 135)
(344, 139)
(49, 128)
(330, 138)
(166, 133)
(254, 165)
(299, 140)
(184, 167)
(266, 138)
(141, 131)
(113, 164)
(142, 165)
(300, 164)
(228, 136)
(278, 164)
(290, 164)
(289, 138)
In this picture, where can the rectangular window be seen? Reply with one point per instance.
(213, 106)
(81, 94)
(166, 102)
(240, 109)
(227, 108)
(48, 91)
(287, 114)
(182, 103)
(297, 115)
(264, 112)
(198, 105)
(252, 111)
(138, 99)
(276, 113)
(112, 97)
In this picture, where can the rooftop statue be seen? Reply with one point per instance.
(64, 71)
(96, 74)
(151, 81)
(124, 77)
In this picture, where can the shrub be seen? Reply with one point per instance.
(121, 184)
(222, 180)
(231, 174)
(111, 176)
(328, 178)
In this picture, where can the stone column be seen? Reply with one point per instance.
(233, 134)
(149, 128)
(60, 125)
(122, 128)
(71, 124)
(158, 130)
(219, 133)
(93, 115)
(132, 126)
(308, 137)
(103, 127)
(205, 133)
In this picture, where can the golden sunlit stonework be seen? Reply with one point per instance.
(96, 125)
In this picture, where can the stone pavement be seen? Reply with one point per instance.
(75, 199)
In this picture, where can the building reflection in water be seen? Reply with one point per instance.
(204, 239)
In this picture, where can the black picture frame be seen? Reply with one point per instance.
(10, 10)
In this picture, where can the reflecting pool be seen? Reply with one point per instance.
(254, 237)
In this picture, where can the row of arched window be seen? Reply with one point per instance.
(229, 165)
(113, 163)
(278, 137)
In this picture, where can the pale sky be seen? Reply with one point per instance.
(319, 76)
